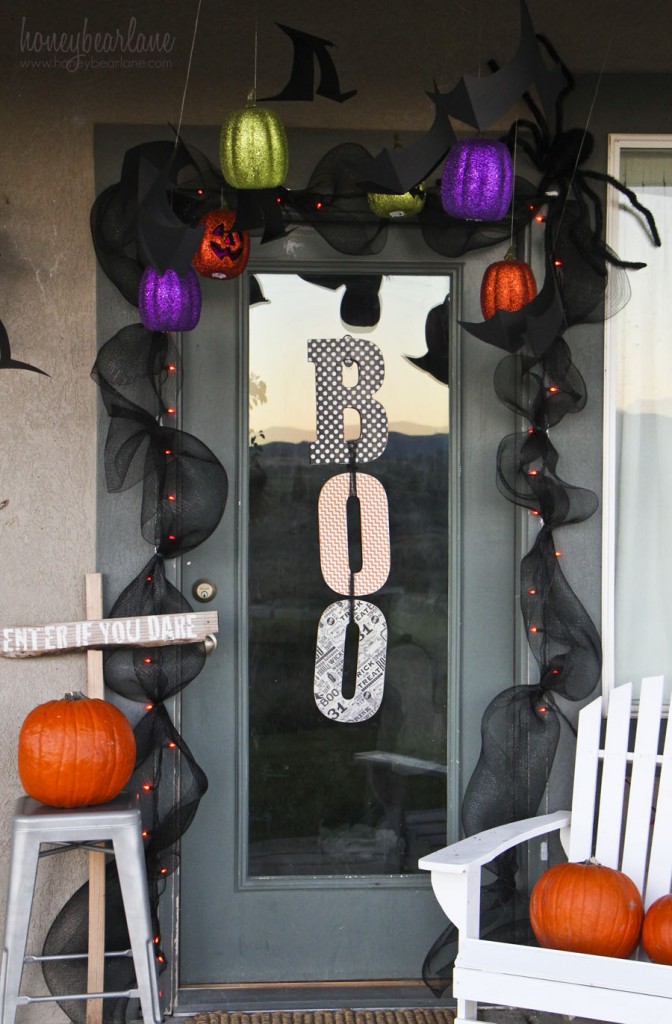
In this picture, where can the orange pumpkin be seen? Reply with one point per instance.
(586, 908)
(75, 752)
(508, 284)
(657, 931)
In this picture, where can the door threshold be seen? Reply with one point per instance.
(290, 996)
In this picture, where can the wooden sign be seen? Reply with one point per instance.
(138, 631)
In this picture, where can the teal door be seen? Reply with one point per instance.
(297, 883)
(331, 762)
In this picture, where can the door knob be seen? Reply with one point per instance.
(210, 643)
(204, 590)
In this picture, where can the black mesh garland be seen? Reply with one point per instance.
(522, 727)
(184, 491)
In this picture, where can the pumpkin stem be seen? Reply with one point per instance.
(251, 98)
(511, 253)
(74, 695)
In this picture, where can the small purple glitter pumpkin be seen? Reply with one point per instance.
(170, 301)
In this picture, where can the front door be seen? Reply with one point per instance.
(323, 719)
(298, 882)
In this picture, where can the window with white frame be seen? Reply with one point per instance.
(637, 496)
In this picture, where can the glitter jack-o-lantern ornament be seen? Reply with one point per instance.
(477, 180)
(75, 751)
(170, 301)
(253, 148)
(223, 252)
(508, 284)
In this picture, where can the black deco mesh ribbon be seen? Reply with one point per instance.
(523, 726)
(184, 484)
(147, 217)
(184, 491)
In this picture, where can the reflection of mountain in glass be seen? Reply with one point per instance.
(315, 788)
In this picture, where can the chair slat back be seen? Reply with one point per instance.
(614, 763)
(584, 796)
(659, 879)
(622, 796)
(642, 781)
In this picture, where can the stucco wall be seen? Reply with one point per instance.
(47, 268)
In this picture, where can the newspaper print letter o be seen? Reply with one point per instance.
(330, 656)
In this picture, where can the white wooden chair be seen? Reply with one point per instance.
(609, 820)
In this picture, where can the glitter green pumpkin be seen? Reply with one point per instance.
(391, 205)
(253, 148)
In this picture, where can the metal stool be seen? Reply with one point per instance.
(34, 824)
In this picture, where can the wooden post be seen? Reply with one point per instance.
(95, 981)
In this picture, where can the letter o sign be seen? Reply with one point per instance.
(375, 534)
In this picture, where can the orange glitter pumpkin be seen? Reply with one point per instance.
(508, 284)
(75, 752)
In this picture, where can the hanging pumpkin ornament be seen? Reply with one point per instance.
(586, 908)
(477, 180)
(508, 284)
(223, 253)
(170, 301)
(397, 204)
(75, 751)
(253, 147)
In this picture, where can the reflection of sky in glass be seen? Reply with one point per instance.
(297, 311)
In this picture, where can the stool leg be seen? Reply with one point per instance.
(22, 873)
(130, 857)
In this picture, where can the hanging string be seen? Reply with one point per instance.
(513, 197)
(583, 138)
(256, 52)
(186, 81)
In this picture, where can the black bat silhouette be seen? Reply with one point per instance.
(6, 361)
(480, 102)
(399, 170)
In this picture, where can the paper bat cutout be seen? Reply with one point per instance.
(537, 324)
(307, 50)
(256, 295)
(480, 102)
(399, 170)
(163, 239)
(260, 209)
(6, 361)
(360, 305)
(435, 360)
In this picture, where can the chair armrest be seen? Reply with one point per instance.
(484, 847)
(456, 869)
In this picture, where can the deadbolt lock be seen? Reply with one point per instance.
(204, 590)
